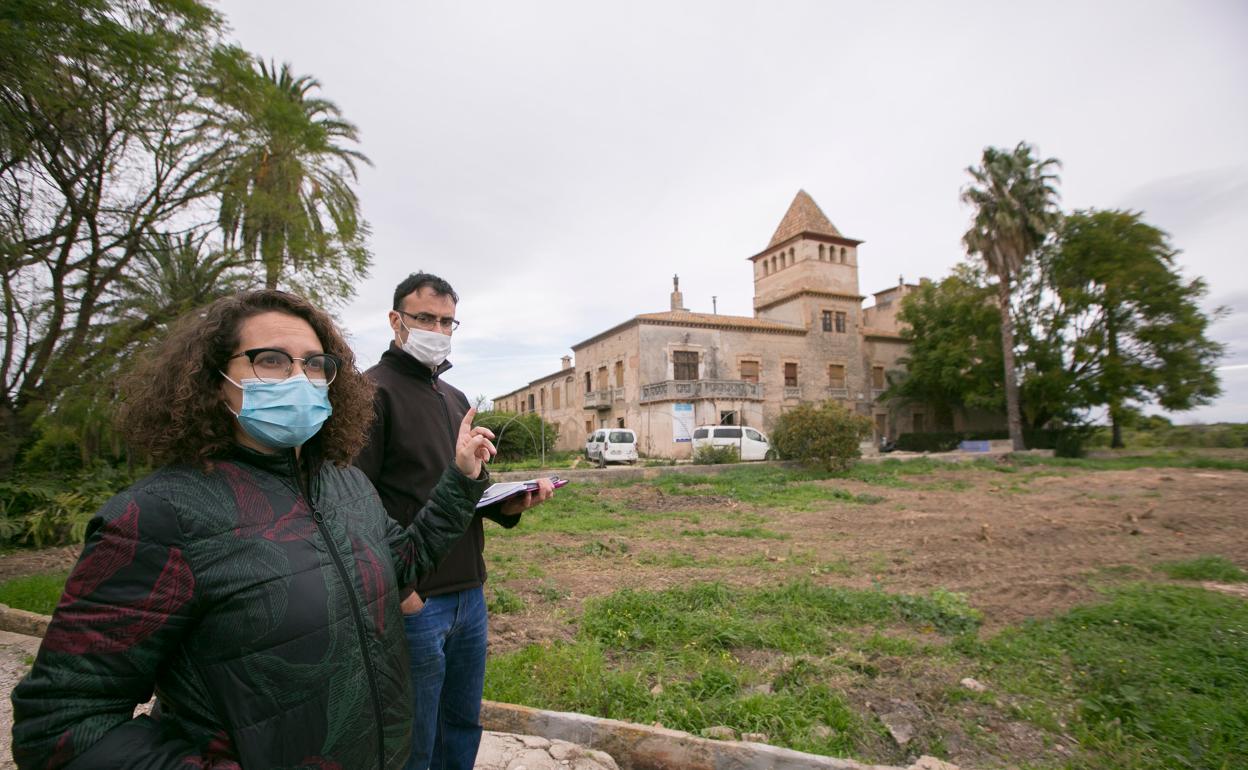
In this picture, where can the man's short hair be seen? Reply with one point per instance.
(417, 281)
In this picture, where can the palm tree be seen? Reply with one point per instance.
(1015, 202)
(287, 200)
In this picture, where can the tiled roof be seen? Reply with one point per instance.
(685, 318)
(804, 216)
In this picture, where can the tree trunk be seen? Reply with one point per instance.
(1116, 432)
(1013, 414)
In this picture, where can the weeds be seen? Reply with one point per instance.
(1213, 568)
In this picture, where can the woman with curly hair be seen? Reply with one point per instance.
(251, 582)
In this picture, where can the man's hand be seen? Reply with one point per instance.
(521, 503)
(473, 447)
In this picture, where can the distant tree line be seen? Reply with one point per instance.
(1054, 317)
(146, 168)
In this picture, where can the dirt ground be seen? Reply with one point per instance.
(1026, 544)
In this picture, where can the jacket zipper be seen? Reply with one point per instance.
(369, 672)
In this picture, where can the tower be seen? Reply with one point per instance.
(807, 263)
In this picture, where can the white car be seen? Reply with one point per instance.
(750, 443)
(612, 445)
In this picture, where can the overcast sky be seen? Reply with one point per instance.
(558, 162)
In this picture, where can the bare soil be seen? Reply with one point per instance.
(1020, 545)
(1027, 544)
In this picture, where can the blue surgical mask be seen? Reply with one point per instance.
(282, 414)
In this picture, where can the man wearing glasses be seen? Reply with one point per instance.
(411, 442)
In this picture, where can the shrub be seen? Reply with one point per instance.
(825, 436)
(716, 455)
(518, 435)
(52, 510)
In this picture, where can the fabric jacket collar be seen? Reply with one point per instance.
(396, 357)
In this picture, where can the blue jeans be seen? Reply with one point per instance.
(446, 641)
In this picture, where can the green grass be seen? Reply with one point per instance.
(34, 593)
(503, 601)
(1204, 568)
(1175, 459)
(1154, 676)
(574, 510)
(775, 487)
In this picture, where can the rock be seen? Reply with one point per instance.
(821, 732)
(926, 762)
(900, 718)
(657, 690)
(719, 733)
(973, 685)
(754, 737)
(534, 742)
(759, 689)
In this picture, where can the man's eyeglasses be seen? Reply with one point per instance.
(273, 365)
(431, 322)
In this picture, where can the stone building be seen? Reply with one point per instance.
(810, 339)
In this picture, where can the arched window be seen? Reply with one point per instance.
(766, 268)
(842, 255)
(792, 259)
(821, 250)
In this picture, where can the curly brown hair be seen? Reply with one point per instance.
(172, 409)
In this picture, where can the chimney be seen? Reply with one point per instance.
(678, 300)
(567, 362)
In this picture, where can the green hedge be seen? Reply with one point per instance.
(518, 436)
(1066, 442)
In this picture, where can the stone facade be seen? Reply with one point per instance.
(810, 339)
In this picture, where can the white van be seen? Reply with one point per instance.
(612, 445)
(752, 444)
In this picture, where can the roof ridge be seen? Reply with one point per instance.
(803, 216)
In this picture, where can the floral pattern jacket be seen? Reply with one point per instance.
(264, 618)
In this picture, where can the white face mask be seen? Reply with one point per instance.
(429, 348)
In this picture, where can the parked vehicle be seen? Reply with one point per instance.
(612, 445)
(752, 444)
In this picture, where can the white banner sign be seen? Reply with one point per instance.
(682, 422)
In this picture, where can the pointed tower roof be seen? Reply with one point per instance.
(804, 216)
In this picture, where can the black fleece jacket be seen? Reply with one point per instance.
(410, 444)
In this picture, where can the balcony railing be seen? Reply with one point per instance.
(841, 392)
(602, 399)
(690, 390)
(791, 391)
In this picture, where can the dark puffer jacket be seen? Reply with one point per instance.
(268, 627)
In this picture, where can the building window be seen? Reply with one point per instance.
(822, 249)
(619, 374)
(792, 258)
(790, 375)
(842, 255)
(589, 427)
(602, 378)
(840, 322)
(877, 377)
(554, 397)
(589, 388)
(827, 320)
(836, 375)
(684, 365)
(619, 422)
(749, 371)
(530, 402)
